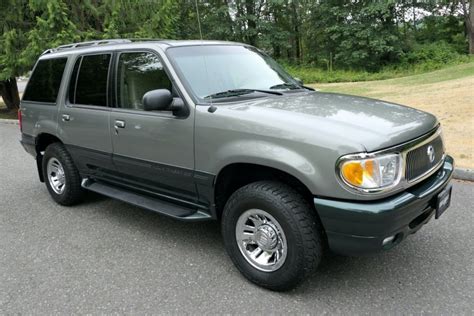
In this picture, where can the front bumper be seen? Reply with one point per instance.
(355, 228)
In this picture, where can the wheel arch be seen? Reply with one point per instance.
(236, 175)
(43, 140)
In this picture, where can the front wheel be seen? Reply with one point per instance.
(272, 234)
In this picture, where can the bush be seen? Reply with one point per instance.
(422, 58)
(433, 53)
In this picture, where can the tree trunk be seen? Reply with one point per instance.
(469, 19)
(468, 13)
(9, 93)
(296, 32)
(251, 23)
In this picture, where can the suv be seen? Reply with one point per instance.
(208, 130)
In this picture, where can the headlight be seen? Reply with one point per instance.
(370, 173)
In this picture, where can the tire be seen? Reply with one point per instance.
(72, 192)
(300, 226)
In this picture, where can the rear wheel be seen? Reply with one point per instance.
(61, 175)
(272, 234)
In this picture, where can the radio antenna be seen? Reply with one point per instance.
(212, 108)
(199, 20)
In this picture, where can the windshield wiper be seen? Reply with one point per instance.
(238, 92)
(290, 86)
(286, 85)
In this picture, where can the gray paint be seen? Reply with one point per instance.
(156, 138)
(302, 134)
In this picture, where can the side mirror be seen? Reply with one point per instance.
(157, 100)
(162, 100)
(300, 82)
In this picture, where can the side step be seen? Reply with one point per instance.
(146, 202)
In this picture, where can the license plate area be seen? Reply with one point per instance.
(443, 200)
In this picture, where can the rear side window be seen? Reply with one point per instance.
(44, 83)
(88, 83)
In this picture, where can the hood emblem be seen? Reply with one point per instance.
(431, 153)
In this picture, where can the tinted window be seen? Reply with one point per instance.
(139, 73)
(72, 82)
(44, 83)
(91, 85)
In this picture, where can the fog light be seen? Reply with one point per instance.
(388, 240)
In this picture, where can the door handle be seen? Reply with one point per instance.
(119, 124)
(66, 117)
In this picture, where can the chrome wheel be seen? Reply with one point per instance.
(56, 176)
(261, 240)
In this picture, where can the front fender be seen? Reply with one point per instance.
(267, 154)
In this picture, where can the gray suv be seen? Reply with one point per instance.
(207, 130)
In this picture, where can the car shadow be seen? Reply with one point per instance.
(334, 274)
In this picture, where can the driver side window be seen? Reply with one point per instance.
(138, 73)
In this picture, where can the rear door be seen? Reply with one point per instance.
(39, 101)
(153, 150)
(84, 118)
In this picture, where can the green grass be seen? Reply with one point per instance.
(317, 75)
(447, 73)
(370, 88)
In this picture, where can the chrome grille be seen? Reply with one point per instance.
(418, 160)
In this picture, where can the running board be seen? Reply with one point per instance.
(146, 202)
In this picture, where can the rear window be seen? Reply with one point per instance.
(88, 84)
(44, 83)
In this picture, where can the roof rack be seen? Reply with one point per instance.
(87, 44)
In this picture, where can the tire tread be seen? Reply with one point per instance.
(74, 192)
(305, 218)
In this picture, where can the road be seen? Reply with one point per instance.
(21, 85)
(105, 256)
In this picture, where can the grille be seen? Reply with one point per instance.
(418, 160)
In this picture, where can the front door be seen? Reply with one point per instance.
(152, 150)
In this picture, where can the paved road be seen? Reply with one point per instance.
(21, 85)
(105, 256)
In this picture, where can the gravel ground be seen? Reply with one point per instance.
(105, 256)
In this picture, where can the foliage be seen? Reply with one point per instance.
(334, 34)
(436, 53)
(347, 37)
(311, 74)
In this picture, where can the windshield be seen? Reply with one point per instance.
(214, 70)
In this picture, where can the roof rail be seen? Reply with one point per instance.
(87, 44)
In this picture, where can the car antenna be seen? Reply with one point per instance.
(199, 20)
(212, 108)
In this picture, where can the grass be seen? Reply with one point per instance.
(317, 75)
(447, 93)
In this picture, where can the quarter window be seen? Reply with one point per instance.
(139, 73)
(44, 83)
(88, 83)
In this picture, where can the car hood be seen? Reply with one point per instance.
(374, 124)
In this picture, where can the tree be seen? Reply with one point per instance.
(468, 12)
(348, 33)
(10, 68)
(14, 24)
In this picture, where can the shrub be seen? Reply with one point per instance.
(432, 53)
